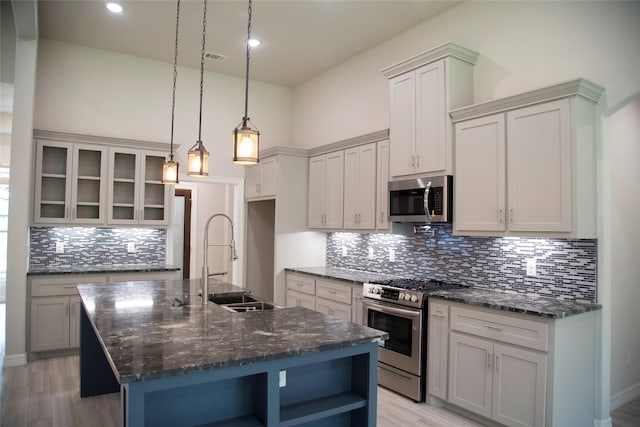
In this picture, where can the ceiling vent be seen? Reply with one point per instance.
(215, 56)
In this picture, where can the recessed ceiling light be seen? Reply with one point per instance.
(114, 7)
(254, 42)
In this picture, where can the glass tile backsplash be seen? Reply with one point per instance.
(87, 246)
(566, 269)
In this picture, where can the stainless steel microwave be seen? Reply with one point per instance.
(421, 199)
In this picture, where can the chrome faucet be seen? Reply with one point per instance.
(205, 266)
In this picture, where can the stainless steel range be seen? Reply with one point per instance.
(399, 308)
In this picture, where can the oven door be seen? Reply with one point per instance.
(403, 349)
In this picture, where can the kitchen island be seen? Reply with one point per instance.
(179, 362)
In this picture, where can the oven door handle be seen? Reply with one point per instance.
(391, 310)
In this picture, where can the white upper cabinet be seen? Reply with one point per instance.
(260, 180)
(326, 189)
(382, 186)
(360, 187)
(69, 183)
(136, 192)
(545, 184)
(422, 90)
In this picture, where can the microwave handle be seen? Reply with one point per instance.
(427, 210)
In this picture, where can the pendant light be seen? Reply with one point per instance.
(170, 167)
(198, 163)
(245, 138)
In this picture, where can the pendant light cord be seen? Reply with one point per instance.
(175, 77)
(246, 83)
(204, 28)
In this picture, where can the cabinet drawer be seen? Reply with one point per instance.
(508, 329)
(332, 308)
(301, 283)
(61, 285)
(299, 299)
(334, 291)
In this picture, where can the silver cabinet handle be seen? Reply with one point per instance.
(437, 315)
(500, 215)
(66, 213)
(417, 160)
(496, 361)
(489, 357)
(495, 328)
(413, 161)
(511, 215)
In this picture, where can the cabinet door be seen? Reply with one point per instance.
(356, 306)
(430, 118)
(74, 322)
(519, 387)
(438, 339)
(367, 187)
(334, 189)
(123, 193)
(252, 181)
(268, 177)
(53, 182)
(49, 323)
(88, 192)
(316, 212)
(402, 124)
(470, 373)
(351, 187)
(480, 174)
(298, 299)
(335, 309)
(382, 186)
(539, 167)
(154, 195)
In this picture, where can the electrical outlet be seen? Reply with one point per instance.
(283, 378)
(371, 254)
(531, 267)
(392, 255)
(59, 247)
(131, 247)
(344, 250)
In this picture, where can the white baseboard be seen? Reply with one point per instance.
(625, 396)
(15, 360)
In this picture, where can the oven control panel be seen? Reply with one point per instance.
(405, 297)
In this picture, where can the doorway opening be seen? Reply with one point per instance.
(260, 248)
(182, 231)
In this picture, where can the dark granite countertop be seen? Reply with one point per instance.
(518, 303)
(145, 337)
(96, 269)
(354, 276)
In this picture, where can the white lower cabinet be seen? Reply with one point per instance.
(333, 297)
(51, 323)
(500, 382)
(515, 369)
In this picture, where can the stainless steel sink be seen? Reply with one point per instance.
(240, 303)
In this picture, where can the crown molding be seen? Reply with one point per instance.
(380, 135)
(287, 151)
(101, 140)
(578, 87)
(443, 51)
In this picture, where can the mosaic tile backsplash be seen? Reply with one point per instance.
(566, 269)
(87, 246)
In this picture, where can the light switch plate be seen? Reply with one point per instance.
(344, 250)
(371, 254)
(283, 379)
(392, 255)
(131, 247)
(59, 247)
(531, 267)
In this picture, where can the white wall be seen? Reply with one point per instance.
(522, 46)
(98, 92)
(624, 157)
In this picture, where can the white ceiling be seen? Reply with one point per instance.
(300, 38)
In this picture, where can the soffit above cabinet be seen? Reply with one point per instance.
(444, 50)
(380, 135)
(578, 87)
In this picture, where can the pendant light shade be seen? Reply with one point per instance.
(198, 160)
(245, 144)
(246, 140)
(198, 163)
(170, 166)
